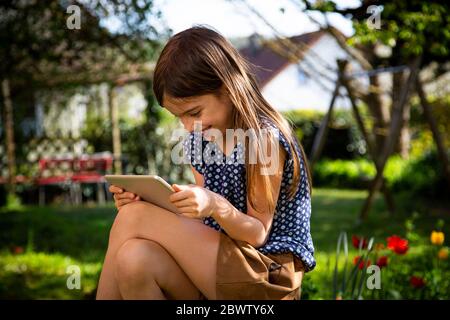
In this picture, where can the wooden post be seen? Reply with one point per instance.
(435, 130)
(319, 140)
(117, 147)
(369, 142)
(9, 127)
(394, 132)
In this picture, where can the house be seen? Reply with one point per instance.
(297, 81)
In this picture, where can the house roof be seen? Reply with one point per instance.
(265, 62)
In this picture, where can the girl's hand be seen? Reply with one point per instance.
(193, 201)
(121, 197)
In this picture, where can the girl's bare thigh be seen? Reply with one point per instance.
(192, 244)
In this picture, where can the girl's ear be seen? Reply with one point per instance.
(224, 90)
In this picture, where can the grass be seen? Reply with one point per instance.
(38, 275)
(52, 238)
(336, 210)
(55, 237)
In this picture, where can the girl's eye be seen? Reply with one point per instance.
(195, 114)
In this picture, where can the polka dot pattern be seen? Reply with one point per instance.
(225, 175)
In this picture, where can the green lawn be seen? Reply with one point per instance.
(53, 238)
(335, 210)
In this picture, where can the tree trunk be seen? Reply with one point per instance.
(380, 111)
(117, 147)
(367, 138)
(395, 128)
(10, 145)
(405, 137)
(321, 136)
(442, 152)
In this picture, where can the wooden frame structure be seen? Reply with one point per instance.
(378, 183)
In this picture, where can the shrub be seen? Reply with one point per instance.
(420, 178)
(343, 173)
(343, 140)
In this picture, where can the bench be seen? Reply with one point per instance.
(70, 173)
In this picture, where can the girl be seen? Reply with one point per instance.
(242, 233)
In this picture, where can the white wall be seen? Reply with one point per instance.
(292, 90)
(69, 117)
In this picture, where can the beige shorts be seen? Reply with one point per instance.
(244, 273)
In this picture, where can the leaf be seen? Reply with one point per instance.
(335, 275)
(395, 294)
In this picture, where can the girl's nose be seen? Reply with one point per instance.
(191, 124)
(188, 125)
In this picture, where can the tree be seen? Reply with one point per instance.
(40, 49)
(407, 29)
(414, 33)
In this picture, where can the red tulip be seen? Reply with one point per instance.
(361, 263)
(17, 250)
(356, 240)
(417, 282)
(382, 261)
(397, 244)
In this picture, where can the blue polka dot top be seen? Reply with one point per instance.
(226, 175)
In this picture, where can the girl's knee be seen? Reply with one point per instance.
(131, 211)
(134, 260)
(127, 219)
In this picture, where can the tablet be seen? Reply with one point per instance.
(150, 188)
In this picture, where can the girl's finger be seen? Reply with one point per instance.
(123, 202)
(189, 215)
(187, 210)
(180, 195)
(125, 195)
(194, 216)
(115, 189)
(184, 203)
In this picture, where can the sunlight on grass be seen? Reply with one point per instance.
(44, 276)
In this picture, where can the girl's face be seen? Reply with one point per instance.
(211, 110)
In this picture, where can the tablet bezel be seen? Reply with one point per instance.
(158, 191)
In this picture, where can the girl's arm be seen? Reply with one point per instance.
(199, 180)
(253, 227)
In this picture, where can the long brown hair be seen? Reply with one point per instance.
(199, 61)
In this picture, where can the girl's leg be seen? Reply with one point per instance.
(192, 244)
(108, 289)
(145, 270)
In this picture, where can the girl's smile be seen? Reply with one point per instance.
(211, 111)
(205, 129)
